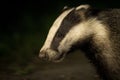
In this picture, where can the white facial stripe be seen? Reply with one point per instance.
(80, 32)
(54, 29)
(77, 32)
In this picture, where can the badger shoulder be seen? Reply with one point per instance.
(111, 18)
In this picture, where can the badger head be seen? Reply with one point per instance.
(63, 34)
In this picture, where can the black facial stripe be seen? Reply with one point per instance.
(68, 22)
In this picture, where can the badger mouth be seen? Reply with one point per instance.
(52, 55)
(59, 57)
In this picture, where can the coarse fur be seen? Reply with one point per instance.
(94, 31)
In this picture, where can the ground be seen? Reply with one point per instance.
(74, 67)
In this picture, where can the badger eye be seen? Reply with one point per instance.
(60, 35)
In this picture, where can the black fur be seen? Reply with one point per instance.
(69, 21)
(111, 18)
(72, 19)
(108, 17)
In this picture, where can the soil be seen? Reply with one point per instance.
(74, 67)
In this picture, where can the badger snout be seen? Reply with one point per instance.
(50, 55)
(43, 55)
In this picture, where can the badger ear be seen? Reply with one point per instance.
(82, 11)
(83, 7)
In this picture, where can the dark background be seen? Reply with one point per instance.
(23, 29)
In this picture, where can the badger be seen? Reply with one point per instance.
(94, 31)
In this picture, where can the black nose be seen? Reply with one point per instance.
(43, 55)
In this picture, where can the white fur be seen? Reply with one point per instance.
(54, 29)
(82, 6)
(82, 31)
(51, 53)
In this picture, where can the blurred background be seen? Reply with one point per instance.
(23, 29)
